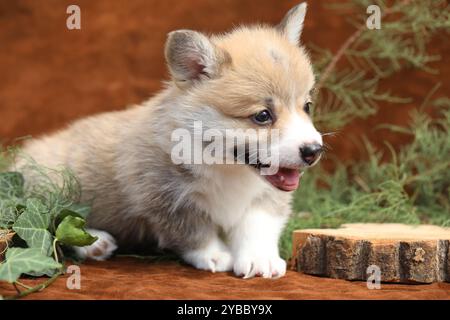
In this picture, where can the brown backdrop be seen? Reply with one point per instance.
(50, 75)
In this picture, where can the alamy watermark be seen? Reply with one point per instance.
(374, 277)
(73, 21)
(374, 20)
(227, 146)
(73, 282)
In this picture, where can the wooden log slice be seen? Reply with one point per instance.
(405, 254)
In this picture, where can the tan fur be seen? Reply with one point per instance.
(122, 159)
(254, 73)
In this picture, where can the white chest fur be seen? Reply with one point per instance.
(227, 192)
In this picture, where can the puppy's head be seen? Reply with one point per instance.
(252, 78)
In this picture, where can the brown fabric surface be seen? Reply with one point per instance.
(129, 278)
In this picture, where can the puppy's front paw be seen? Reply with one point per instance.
(101, 249)
(210, 259)
(251, 265)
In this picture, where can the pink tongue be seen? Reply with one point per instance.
(285, 179)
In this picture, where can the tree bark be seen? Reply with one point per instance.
(404, 254)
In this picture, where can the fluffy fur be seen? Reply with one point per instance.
(217, 217)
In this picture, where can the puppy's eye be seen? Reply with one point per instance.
(263, 117)
(307, 107)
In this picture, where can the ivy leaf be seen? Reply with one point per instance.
(20, 260)
(9, 211)
(32, 226)
(71, 231)
(11, 185)
(65, 213)
(79, 211)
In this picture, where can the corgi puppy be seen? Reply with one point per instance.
(217, 217)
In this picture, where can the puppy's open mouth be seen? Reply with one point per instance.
(285, 179)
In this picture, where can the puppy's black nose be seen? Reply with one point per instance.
(310, 152)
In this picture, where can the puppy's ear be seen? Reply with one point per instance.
(292, 24)
(192, 56)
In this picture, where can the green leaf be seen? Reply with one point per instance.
(79, 211)
(11, 184)
(32, 226)
(82, 210)
(65, 213)
(20, 260)
(71, 231)
(9, 211)
(48, 272)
